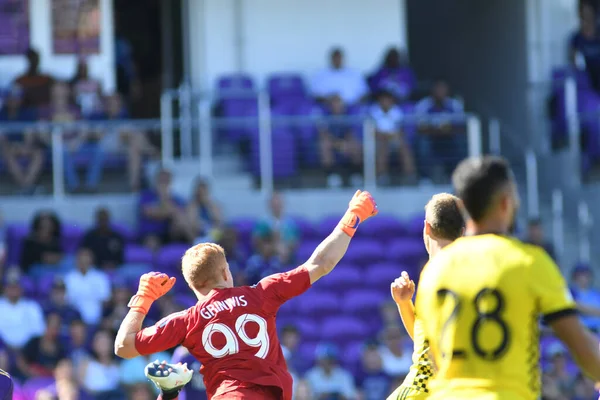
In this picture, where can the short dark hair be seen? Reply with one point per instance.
(445, 216)
(477, 180)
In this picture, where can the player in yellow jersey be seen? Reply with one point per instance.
(480, 299)
(443, 224)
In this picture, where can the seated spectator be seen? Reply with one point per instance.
(36, 86)
(266, 260)
(583, 388)
(373, 383)
(394, 76)
(87, 287)
(23, 157)
(86, 91)
(535, 235)
(203, 213)
(5, 360)
(126, 138)
(339, 80)
(394, 355)
(558, 369)
(302, 390)
(142, 391)
(115, 309)
(65, 385)
(106, 244)
(389, 313)
(100, 375)
(290, 340)
(41, 354)
(42, 247)
(586, 296)
(78, 343)
(236, 255)
(162, 215)
(22, 319)
(586, 43)
(327, 380)
(390, 138)
(341, 152)
(57, 304)
(195, 390)
(441, 140)
(279, 223)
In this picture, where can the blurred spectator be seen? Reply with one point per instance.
(86, 91)
(100, 375)
(236, 255)
(106, 244)
(5, 360)
(36, 86)
(132, 370)
(42, 247)
(65, 385)
(41, 354)
(302, 391)
(285, 228)
(87, 287)
(290, 340)
(586, 296)
(20, 152)
(583, 388)
(195, 390)
(390, 137)
(57, 304)
(586, 43)
(327, 380)
(339, 80)
(558, 372)
(373, 383)
(394, 355)
(203, 213)
(551, 389)
(22, 319)
(78, 343)
(441, 140)
(115, 309)
(141, 391)
(162, 214)
(266, 260)
(339, 144)
(389, 313)
(535, 235)
(128, 83)
(394, 75)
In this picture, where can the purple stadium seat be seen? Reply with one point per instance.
(29, 286)
(343, 329)
(363, 302)
(72, 233)
(327, 224)
(383, 226)
(407, 251)
(317, 304)
(44, 286)
(352, 354)
(561, 73)
(235, 82)
(169, 257)
(343, 278)
(380, 276)
(285, 86)
(306, 248)
(283, 148)
(307, 351)
(124, 230)
(15, 234)
(33, 385)
(244, 114)
(364, 252)
(185, 300)
(136, 254)
(414, 226)
(308, 327)
(244, 227)
(305, 226)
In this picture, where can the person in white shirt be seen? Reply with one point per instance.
(22, 319)
(390, 138)
(87, 287)
(339, 80)
(328, 379)
(396, 361)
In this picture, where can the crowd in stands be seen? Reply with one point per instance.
(65, 292)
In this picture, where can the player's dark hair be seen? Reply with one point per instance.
(445, 217)
(477, 180)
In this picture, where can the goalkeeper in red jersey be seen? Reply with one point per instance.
(231, 330)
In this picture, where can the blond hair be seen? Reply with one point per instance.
(201, 264)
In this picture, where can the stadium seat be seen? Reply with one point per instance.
(168, 258)
(363, 302)
(286, 86)
(343, 278)
(240, 118)
(72, 233)
(15, 235)
(185, 300)
(343, 329)
(29, 286)
(44, 286)
(414, 226)
(352, 355)
(307, 351)
(308, 327)
(364, 252)
(407, 251)
(306, 248)
(244, 227)
(124, 230)
(381, 275)
(283, 148)
(306, 227)
(33, 385)
(231, 82)
(137, 254)
(319, 304)
(327, 224)
(383, 226)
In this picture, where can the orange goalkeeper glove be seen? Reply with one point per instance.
(153, 285)
(361, 207)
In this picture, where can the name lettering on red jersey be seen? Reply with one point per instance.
(217, 306)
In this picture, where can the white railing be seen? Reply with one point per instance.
(494, 139)
(558, 225)
(369, 155)
(585, 228)
(531, 171)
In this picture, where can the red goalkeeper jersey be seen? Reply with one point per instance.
(232, 333)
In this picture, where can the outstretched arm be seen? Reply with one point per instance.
(332, 249)
(403, 289)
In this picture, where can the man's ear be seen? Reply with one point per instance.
(427, 228)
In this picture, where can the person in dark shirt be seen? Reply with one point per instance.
(57, 304)
(41, 354)
(42, 246)
(373, 382)
(36, 86)
(535, 235)
(586, 42)
(107, 245)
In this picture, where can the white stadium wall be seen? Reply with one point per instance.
(101, 66)
(263, 36)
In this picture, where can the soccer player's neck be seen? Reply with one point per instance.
(436, 245)
(486, 226)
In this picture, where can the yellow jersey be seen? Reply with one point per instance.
(479, 301)
(421, 369)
